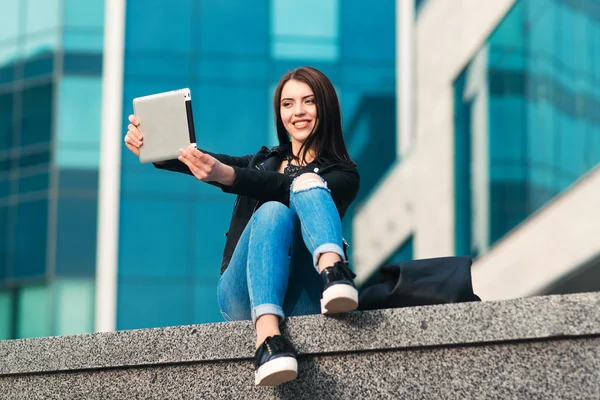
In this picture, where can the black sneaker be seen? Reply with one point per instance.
(339, 293)
(275, 362)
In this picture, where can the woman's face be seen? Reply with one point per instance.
(298, 110)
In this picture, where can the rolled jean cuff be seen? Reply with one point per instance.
(327, 248)
(267, 309)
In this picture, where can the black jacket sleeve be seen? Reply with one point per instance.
(177, 166)
(343, 182)
(261, 185)
(344, 185)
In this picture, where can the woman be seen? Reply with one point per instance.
(284, 253)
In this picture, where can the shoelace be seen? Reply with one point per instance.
(340, 270)
(276, 345)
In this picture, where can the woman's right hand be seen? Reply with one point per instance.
(134, 138)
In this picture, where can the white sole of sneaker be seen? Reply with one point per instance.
(276, 372)
(339, 298)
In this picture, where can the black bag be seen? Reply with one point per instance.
(420, 282)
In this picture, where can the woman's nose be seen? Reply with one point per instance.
(299, 109)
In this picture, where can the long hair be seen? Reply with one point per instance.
(326, 139)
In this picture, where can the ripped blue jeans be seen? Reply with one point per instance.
(274, 269)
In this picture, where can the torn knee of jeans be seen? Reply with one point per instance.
(307, 181)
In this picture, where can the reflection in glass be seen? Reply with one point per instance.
(232, 30)
(76, 236)
(526, 119)
(9, 52)
(41, 15)
(305, 30)
(87, 14)
(37, 115)
(34, 311)
(9, 28)
(74, 305)
(30, 239)
(4, 241)
(171, 19)
(149, 303)
(79, 106)
(6, 308)
(6, 124)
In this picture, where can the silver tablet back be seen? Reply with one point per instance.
(165, 123)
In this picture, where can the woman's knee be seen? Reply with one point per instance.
(273, 211)
(308, 181)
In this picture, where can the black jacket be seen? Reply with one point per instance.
(257, 181)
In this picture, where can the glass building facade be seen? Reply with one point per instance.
(231, 54)
(526, 117)
(50, 87)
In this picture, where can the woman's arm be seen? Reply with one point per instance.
(343, 182)
(178, 166)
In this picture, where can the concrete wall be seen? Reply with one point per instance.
(535, 348)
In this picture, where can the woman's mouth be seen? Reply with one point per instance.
(301, 124)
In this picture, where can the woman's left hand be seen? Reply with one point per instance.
(205, 167)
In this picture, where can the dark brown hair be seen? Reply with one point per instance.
(326, 138)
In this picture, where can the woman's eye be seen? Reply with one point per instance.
(287, 104)
(310, 101)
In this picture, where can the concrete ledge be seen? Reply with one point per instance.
(541, 347)
(466, 323)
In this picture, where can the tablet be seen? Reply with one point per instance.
(166, 122)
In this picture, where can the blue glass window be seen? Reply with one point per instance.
(157, 237)
(6, 128)
(76, 236)
(82, 180)
(74, 306)
(206, 307)
(149, 303)
(6, 314)
(85, 42)
(42, 64)
(78, 126)
(34, 180)
(307, 30)
(215, 215)
(41, 15)
(219, 131)
(374, 41)
(174, 35)
(539, 91)
(87, 15)
(34, 312)
(9, 29)
(231, 30)
(41, 27)
(37, 115)
(30, 238)
(8, 54)
(4, 243)
(84, 63)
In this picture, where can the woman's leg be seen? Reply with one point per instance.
(303, 294)
(254, 284)
(321, 226)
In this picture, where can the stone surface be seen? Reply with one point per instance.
(565, 368)
(467, 323)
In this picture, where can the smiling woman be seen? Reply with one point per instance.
(284, 253)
